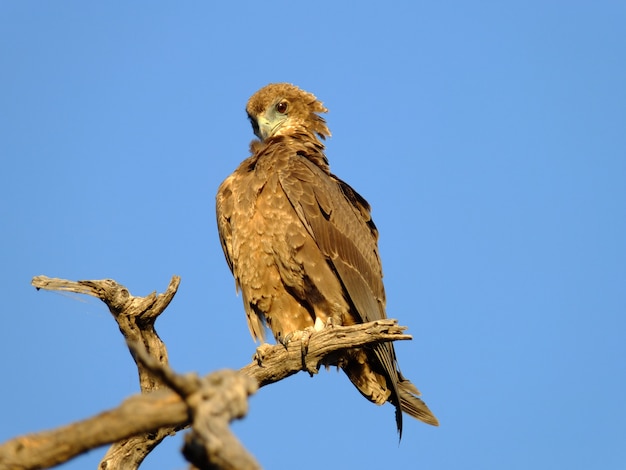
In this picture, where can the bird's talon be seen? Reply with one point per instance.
(261, 353)
(304, 336)
(286, 339)
(304, 342)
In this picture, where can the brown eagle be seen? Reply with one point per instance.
(302, 245)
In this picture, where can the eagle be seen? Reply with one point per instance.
(302, 245)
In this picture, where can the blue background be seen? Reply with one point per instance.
(489, 137)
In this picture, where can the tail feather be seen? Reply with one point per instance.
(412, 405)
(374, 373)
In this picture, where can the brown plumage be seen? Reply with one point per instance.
(302, 245)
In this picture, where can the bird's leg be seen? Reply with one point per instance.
(299, 335)
(304, 336)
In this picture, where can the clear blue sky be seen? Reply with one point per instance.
(489, 137)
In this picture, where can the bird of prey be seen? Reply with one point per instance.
(302, 245)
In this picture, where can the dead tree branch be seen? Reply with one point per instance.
(273, 363)
(135, 317)
(209, 403)
(213, 402)
(137, 414)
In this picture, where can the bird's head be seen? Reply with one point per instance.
(282, 108)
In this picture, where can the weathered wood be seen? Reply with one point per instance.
(137, 414)
(135, 317)
(171, 401)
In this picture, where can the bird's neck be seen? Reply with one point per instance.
(298, 143)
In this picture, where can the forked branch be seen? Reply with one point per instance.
(170, 401)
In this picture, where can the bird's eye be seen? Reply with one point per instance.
(281, 107)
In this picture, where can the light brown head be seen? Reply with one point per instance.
(282, 108)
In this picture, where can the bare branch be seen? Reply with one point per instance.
(211, 444)
(196, 400)
(137, 414)
(135, 317)
(213, 401)
(273, 363)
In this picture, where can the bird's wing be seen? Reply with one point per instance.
(333, 214)
(338, 219)
(224, 211)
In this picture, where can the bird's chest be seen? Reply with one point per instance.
(265, 228)
(258, 198)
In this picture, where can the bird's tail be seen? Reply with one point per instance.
(412, 405)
